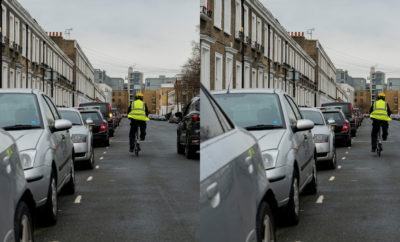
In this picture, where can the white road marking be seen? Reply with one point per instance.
(320, 199)
(347, 152)
(101, 158)
(105, 152)
(97, 167)
(349, 147)
(339, 167)
(89, 178)
(107, 148)
(332, 178)
(344, 158)
(78, 199)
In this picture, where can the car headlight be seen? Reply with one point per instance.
(79, 138)
(27, 158)
(269, 158)
(321, 138)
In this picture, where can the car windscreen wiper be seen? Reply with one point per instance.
(263, 126)
(21, 127)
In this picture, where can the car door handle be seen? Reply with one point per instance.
(249, 163)
(213, 194)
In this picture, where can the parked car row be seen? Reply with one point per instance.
(257, 149)
(39, 147)
(395, 116)
(157, 117)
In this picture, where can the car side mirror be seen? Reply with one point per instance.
(303, 124)
(61, 125)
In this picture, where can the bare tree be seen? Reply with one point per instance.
(191, 73)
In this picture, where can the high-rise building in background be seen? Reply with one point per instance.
(154, 83)
(377, 82)
(393, 83)
(116, 83)
(135, 82)
(358, 83)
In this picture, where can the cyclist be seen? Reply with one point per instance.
(380, 115)
(137, 113)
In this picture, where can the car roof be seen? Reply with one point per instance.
(250, 90)
(335, 103)
(310, 109)
(68, 109)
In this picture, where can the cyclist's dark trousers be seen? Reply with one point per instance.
(375, 129)
(132, 132)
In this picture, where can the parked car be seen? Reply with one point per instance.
(366, 115)
(324, 136)
(81, 136)
(105, 110)
(117, 115)
(100, 129)
(232, 178)
(115, 118)
(16, 200)
(188, 133)
(173, 119)
(44, 143)
(285, 140)
(348, 111)
(342, 126)
(155, 117)
(359, 116)
(162, 118)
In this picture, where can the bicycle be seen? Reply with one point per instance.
(137, 141)
(379, 143)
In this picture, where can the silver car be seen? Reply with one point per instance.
(236, 200)
(16, 201)
(285, 140)
(44, 144)
(323, 134)
(81, 135)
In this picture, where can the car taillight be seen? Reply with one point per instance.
(103, 127)
(195, 118)
(109, 111)
(345, 127)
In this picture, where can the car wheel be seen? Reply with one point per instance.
(265, 224)
(107, 142)
(312, 187)
(111, 133)
(23, 226)
(180, 148)
(70, 186)
(353, 132)
(91, 160)
(334, 160)
(51, 207)
(189, 153)
(293, 207)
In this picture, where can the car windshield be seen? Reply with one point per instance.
(252, 111)
(22, 111)
(314, 116)
(91, 115)
(333, 116)
(72, 116)
(345, 106)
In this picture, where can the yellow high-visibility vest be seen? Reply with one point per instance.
(380, 111)
(138, 111)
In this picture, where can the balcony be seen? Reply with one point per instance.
(205, 13)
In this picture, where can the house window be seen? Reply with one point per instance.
(246, 75)
(24, 40)
(17, 31)
(238, 18)
(205, 65)
(227, 16)
(12, 78)
(275, 48)
(217, 13)
(259, 31)
(18, 79)
(253, 28)
(5, 76)
(271, 44)
(260, 78)
(246, 21)
(12, 33)
(253, 78)
(228, 71)
(238, 75)
(29, 45)
(266, 40)
(218, 72)
(4, 19)
(279, 52)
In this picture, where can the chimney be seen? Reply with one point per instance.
(61, 34)
(53, 34)
(302, 34)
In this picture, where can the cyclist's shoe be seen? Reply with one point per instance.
(130, 150)
(373, 150)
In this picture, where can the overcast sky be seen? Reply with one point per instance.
(154, 35)
(356, 34)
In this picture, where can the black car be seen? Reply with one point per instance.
(342, 126)
(100, 128)
(105, 110)
(188, 134)
(348, 111)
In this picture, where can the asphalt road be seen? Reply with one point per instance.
(153, 197)
(360, 199)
